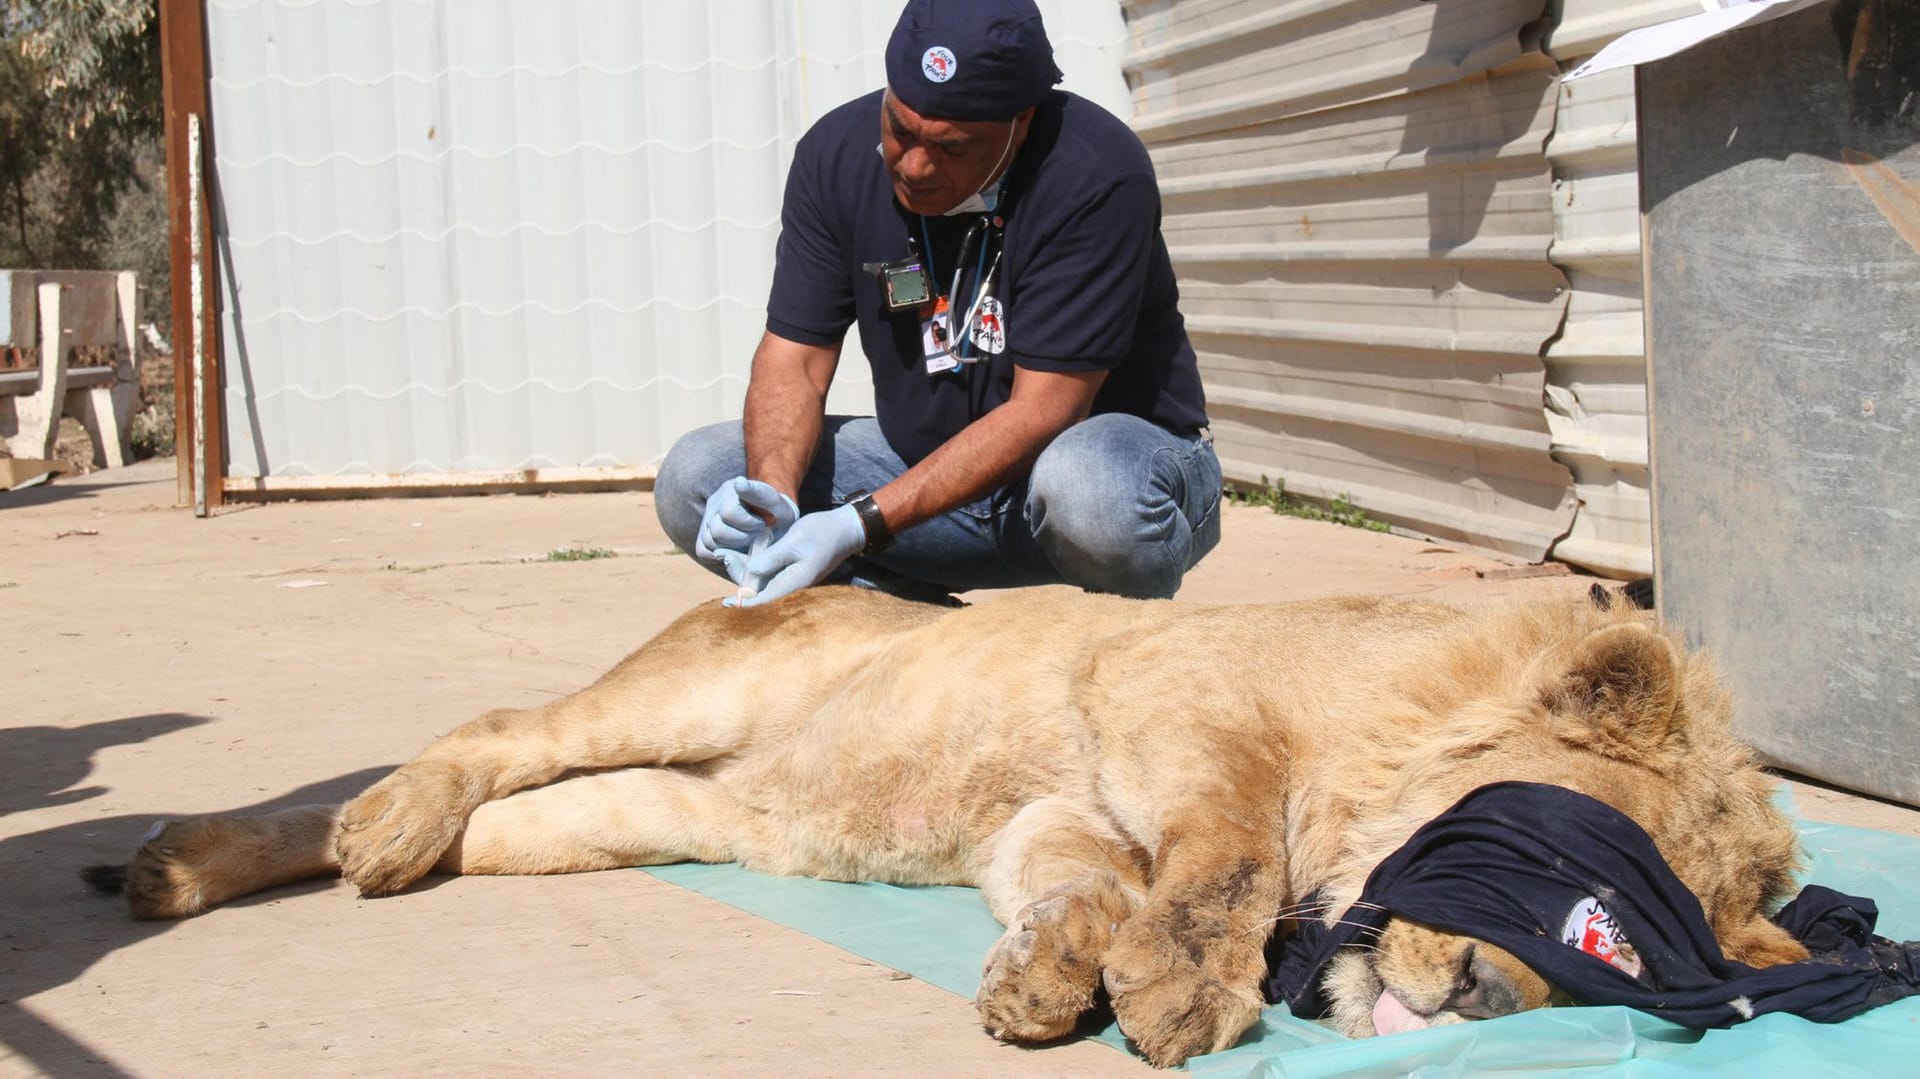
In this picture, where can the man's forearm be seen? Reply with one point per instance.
(782, 429)
(785, 407)
(994, 450)
(989, 452)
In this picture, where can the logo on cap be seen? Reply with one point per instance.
(937, 63)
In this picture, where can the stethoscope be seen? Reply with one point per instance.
(989, 232)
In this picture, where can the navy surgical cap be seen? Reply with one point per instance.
(970, 59)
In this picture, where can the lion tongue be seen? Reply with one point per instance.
(1392, 1017)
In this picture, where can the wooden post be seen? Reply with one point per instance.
(196, 304)
(183, 46)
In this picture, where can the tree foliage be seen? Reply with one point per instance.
(80, 124)
(101, 58)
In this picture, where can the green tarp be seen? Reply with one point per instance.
(940, 935)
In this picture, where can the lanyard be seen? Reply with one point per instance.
(991, 225)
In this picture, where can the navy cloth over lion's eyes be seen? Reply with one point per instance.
(1577, 891)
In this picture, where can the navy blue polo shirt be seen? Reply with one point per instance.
(1085, 281)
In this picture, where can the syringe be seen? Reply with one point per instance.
(750, 584)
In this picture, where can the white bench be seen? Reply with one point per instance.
(59, 312)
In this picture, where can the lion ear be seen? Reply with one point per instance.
(1620, 694)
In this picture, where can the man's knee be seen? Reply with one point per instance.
(1114, 506)
(697, 464)
(1084, 476)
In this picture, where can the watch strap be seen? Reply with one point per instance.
(879, 536)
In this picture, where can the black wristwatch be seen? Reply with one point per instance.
(879, 536)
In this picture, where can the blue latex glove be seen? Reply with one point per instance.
(815, 546)
(730, 524)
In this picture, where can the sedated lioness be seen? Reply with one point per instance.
(1140, 789)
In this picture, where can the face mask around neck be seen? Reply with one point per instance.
(984, 201)
(987, 199)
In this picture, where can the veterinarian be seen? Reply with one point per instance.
(1039, 412)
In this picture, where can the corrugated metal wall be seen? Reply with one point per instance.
(1596, 369)
(1359, 206)
(498, 235)
(1596, 396)
(471, 237)
(1410, 257)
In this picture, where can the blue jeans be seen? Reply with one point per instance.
(1115, 504)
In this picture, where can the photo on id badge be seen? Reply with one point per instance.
(934, 339)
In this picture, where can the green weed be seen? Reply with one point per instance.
(1273, 495)
(579, 554)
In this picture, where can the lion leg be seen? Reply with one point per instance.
(1184, 972)
(189, 866)
(607, 820)
(1061, 881)
(686, 696)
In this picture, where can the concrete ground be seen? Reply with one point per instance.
(157, 666)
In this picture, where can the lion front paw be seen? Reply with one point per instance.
(1173, 1009)
(1040, 975)
(391, 835)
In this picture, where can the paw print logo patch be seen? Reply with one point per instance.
(938, 64)
(990, 327)
(1593, 930)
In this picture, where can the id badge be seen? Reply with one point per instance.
(934, 339)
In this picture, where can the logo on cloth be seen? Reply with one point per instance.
(989, 331)
(937, 63)
(1593, 930)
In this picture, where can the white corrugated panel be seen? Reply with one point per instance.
(1585, 26)
(469, 237)
(1359, 210)
(1597, 400)
(1596, 369)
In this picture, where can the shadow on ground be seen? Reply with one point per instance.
(56, 927)
(44, 763)
(47, 494)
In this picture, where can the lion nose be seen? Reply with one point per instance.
(1484, 991)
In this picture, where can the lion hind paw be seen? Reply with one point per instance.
(170, 875)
